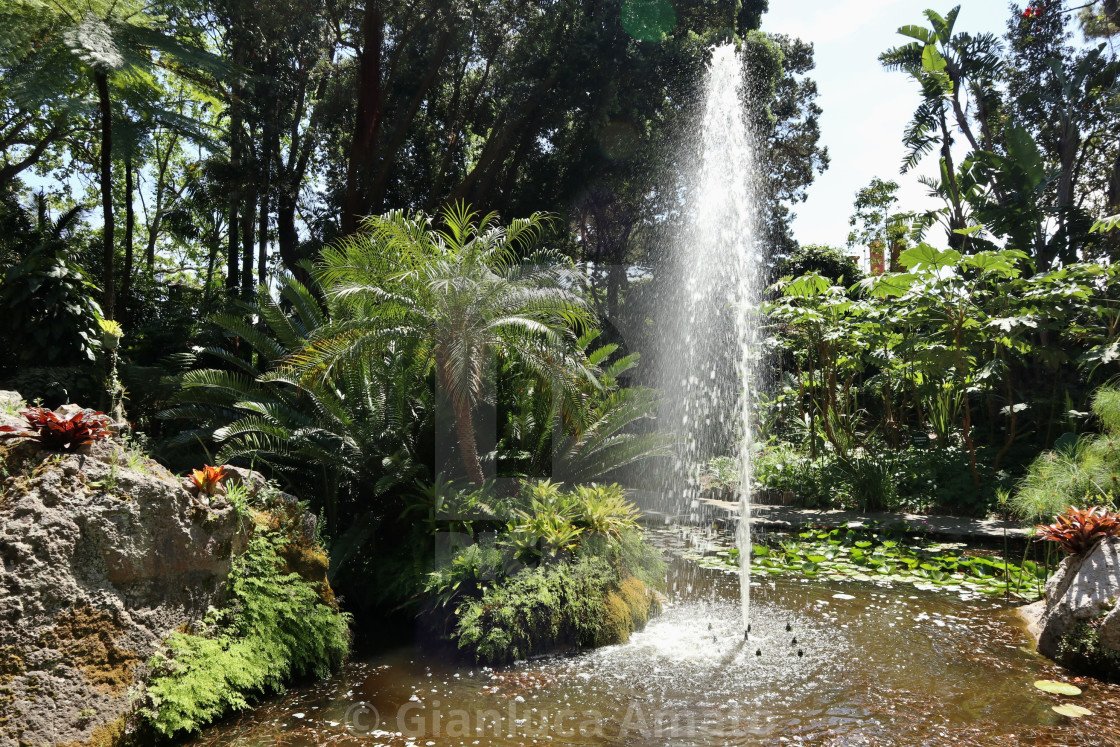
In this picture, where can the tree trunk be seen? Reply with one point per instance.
(248, 218)
(108, 250)
(233, 256)
(269, 151)
(363, 144)
(464, 428)
(129, 228)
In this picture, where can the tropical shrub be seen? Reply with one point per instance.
(875, 477)
(593, 600)
(573, 565)
(47, 301)
(59, 432)
(1077, 530)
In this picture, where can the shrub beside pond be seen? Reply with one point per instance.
(571, 569)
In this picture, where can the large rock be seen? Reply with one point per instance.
(1083, 588)
(103, 554)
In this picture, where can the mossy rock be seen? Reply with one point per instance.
(88, 639)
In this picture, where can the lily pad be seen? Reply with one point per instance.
(1071, 710)
(1057, 688)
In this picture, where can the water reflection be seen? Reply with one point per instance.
(878, 667)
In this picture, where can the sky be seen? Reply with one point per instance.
(866, 108)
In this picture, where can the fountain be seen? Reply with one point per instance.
(709, 331)
(862, 660)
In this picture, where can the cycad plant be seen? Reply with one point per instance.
(330, 439)
(459, 297)
(583, 432)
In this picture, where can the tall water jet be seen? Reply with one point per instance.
(709, 329)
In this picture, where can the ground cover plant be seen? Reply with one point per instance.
(277, 626)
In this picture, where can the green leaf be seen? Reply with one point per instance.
(1057, 688)
(932, 61)
(917, 32)
(926, 257)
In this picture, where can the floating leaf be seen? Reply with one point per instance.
(1057, 688)
(1071, 710)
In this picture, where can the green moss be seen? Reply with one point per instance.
(87, 637)
(277, 628)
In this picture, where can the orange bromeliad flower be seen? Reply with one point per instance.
(208, 478)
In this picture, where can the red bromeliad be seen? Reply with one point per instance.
(58, 432)
(1078, 529)
(208, 478)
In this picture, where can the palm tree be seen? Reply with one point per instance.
(458, 294)
(947, 64)
(113, 42)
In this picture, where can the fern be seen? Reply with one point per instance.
(279, 629)
(596, 598)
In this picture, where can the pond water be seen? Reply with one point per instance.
(870, 666)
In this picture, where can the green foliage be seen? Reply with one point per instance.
(275, 628)
(327, 439)
(592, 600)
(828, 262)
(1082, 472)
(47, 300)
(1082, 651)
(912, 479)
(572, 566)
(551, 523)
(889, 555)
(951, 350)
(1037, 125)
(592, 431)
(458, 297)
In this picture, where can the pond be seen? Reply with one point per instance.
(859, 664)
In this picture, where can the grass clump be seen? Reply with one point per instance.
(1079, 472)
(277, 627)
